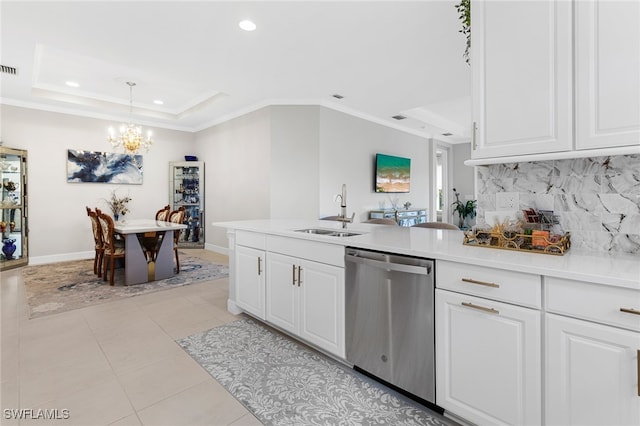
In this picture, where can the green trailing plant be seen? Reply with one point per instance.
(464, 209)
(464, 12)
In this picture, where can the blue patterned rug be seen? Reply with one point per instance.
(285, 383)
(64, 286)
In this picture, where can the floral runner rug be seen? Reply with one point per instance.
(64, 286)
(283, 382)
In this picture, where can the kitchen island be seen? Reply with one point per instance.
(521, 338)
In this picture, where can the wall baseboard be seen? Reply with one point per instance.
(216, 248)
(54, 258)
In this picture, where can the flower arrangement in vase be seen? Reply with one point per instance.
(118, 205)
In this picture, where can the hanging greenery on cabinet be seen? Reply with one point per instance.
(464, 11)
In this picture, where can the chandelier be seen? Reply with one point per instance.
(130, 138)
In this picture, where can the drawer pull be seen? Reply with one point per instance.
(630, 311)
(293, 278)
(481, 308)
(484, 283)
(259, 265)
(299, 278)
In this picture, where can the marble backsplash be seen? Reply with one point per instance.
(597, 199)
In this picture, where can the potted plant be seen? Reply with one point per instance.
(464, 209)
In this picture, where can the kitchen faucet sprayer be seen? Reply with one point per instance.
(343, 208)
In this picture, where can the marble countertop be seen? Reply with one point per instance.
(621, 270)
(135, 226)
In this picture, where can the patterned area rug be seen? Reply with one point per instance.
(285, 383)
(64, 286)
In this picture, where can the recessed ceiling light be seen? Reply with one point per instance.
(72, 84)
(447, 134)
(158, 102)
(338, 96)
(399, 117)
(247, 25)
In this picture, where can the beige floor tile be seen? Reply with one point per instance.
(100, 404)
(126, 325)
(207, 403)
(45, 385)
(131, 353)
(157, 381)
(131, 420)
(247, 420)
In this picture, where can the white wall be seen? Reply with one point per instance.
(463, 176)
(347, 155)
(237, 156)
(59, 228)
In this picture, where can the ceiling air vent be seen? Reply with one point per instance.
(399, 117)
(447, 134)
(338, 96)
(8, 70)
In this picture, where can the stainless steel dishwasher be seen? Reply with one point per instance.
(390, 319)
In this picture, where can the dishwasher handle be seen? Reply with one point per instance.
(389, 266)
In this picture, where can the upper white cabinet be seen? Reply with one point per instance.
(607, 76)
(538, 64)
(521, 68)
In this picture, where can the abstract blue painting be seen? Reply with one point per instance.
(104, 167)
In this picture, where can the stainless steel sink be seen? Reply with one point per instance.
(328, 232)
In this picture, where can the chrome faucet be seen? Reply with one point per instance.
(343, 208)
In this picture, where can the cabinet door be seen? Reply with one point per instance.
(322, 306)
(488, 362)
(607, 73)
(282, 292)
(521, 70)
(591, 373)
(250, 280)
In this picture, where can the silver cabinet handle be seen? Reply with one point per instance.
(480, 308)
(473, 136)
(484, 283)
(259, 265)
(630, 311)
(299, 278)
(293, 274)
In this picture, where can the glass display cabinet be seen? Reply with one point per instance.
(186, 189)
(13, 208)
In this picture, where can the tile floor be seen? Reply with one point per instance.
(116, 363)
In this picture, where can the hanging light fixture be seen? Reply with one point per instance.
(130, 138)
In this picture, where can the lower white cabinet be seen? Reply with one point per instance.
(592, 373)
(488, 360)
(250, 280)
(306, 298)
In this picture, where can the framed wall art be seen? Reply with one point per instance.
(103, 167)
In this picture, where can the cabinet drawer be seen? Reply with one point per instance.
(251, 239)
(508, 286)
(330, 254)
(601, 303)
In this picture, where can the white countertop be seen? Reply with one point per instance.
(621, 270)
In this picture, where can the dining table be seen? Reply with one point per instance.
(148, 249)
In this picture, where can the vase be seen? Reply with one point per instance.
(8, 247)
(116, 217)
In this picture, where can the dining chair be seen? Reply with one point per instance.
(437, 225)
(97, 240)
(382, 222)
(113, 249)
(177, 216)
(163, 213)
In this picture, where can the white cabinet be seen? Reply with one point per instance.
(488, 361)
(592, 349)
(249, 272)
(250, 280)
(306, 298)
(607, 46)
(521, 70)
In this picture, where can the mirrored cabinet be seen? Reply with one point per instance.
(186, 189)
(13, 208)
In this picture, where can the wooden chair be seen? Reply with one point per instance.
(177, 216)
(113, 249)
(97, 239)
(382, 222)
(437, 225)
(163, 213)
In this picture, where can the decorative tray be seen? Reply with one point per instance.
(537, 241)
